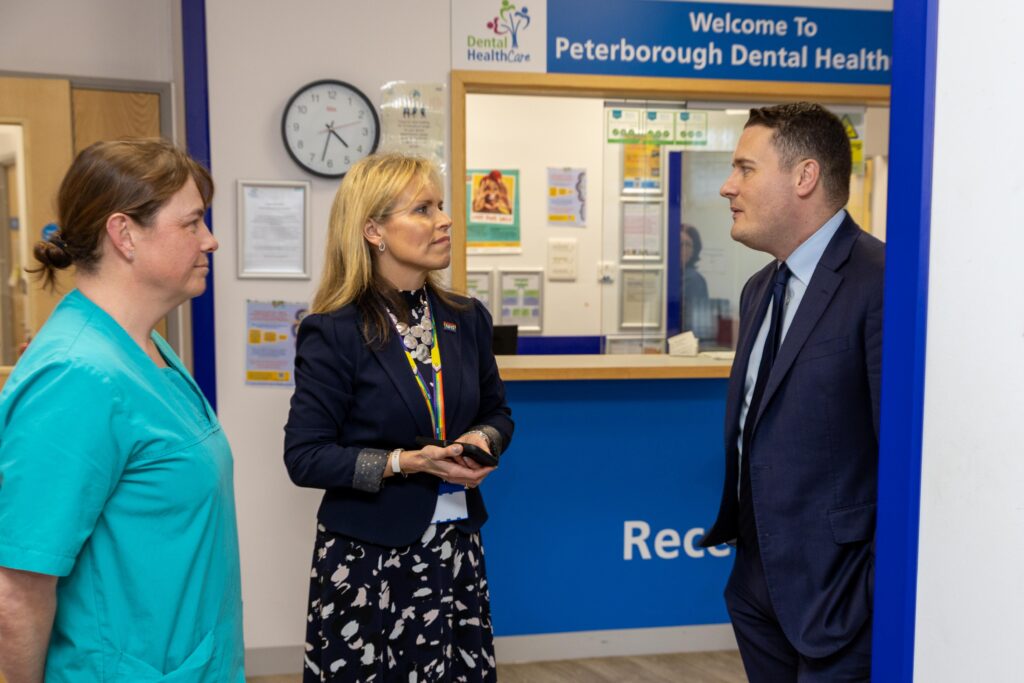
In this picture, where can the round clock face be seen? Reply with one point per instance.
(328, 126)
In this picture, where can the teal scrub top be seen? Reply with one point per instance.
(115, 476)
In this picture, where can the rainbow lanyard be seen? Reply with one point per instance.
(435, 399)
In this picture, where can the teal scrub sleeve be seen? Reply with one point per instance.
(59, 462)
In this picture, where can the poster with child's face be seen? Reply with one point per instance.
(492, 198)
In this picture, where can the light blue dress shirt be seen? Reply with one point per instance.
(801, 263)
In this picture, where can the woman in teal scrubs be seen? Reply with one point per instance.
(118, 545)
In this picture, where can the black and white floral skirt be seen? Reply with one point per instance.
(416, 614)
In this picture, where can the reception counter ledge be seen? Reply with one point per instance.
(648, 366)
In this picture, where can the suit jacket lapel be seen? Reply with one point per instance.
(395, 363)
(450, 337)
(820, 291)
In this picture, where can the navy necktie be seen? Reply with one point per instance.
(747, 528)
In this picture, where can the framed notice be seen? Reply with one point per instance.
(414, 119)
(640, 303)
(641, 169)
(642, 234)
(522, 301)
(273, 229)
(479, 285)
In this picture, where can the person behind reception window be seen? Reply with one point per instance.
(802, 409)
(118, 546)
(398, 590)
(696, 305)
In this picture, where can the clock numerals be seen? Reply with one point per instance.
(328, 126)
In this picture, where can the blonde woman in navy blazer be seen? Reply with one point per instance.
(398, 588)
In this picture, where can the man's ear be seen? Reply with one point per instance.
(808, 177)
(119, 230)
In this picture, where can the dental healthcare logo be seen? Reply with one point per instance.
(509, 37)
(509, 21)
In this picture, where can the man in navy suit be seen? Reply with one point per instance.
(801, 426)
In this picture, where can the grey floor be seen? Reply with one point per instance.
(693, 667)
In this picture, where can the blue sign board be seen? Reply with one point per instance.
(670, 39)
(598, 508)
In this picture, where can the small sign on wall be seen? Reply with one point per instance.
(567, 197)
(479, 286)
(522, 298)
(562, 259)
(271, 329)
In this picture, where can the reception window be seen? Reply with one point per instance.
(596, 226)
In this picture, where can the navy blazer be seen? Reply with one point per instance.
(814, 448)
(350, 396)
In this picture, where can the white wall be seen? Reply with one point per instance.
(971, 549)
(259, 54)
(124, 39)
(530, 134)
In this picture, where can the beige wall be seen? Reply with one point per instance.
(126, 39)
(252, 74)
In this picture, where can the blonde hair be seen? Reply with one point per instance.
(370, 191)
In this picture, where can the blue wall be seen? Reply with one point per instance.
(587, 457)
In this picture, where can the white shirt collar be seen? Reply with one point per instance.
(804, 260)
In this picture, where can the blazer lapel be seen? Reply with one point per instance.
(395, 363)
(820, 291)
(449, 336)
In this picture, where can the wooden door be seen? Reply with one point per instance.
(42, 107)
(111, 114)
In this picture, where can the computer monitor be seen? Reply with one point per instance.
(505, 340)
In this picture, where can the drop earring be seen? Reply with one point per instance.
(381, 247)
(131, 255)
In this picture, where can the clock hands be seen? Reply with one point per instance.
(331, 131)
(327, 141)
(335, 134)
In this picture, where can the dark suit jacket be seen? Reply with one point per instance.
(350, 396)
(814, 448)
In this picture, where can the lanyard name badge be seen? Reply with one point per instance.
(451, 498)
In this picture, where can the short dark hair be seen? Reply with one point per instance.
(809, 131)
(687, 229)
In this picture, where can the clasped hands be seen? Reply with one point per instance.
(448, 463)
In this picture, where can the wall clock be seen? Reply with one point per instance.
(329, 125)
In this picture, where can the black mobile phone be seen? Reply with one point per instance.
(469, 450)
